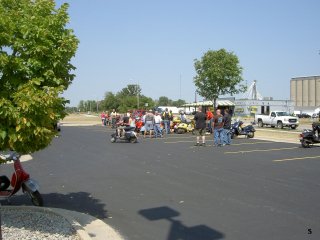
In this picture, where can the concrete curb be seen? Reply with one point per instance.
(86, 226)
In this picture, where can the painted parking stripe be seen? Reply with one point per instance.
(179, 137)
(233, 144)
(298, 158)
(261, 150)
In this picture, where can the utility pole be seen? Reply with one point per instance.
(180, 86)
(138, 100)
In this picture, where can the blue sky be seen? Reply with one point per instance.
(153, 43)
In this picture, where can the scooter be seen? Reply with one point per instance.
(237, 129)
(310, 136)
(20, 179)
(127, 134)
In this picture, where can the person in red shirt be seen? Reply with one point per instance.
(103, 118)
(209, 119)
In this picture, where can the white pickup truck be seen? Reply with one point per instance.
(277, 118)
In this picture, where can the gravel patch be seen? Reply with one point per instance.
(35, 225)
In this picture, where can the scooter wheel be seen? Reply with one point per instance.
(250, 134)
(113, 139)
(133, 140)
(180, 131)
(36, 198)
(305, 144)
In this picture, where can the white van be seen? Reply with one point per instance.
(175, 110)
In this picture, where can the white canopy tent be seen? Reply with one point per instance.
(221, 103)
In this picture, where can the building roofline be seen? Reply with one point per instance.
(306, 77)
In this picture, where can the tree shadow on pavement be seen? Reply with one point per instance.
(81, 202)
(178, 231)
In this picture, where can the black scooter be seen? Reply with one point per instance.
(237, 129)
(126, 134)
(310, 136)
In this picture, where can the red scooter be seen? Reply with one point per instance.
(20, 179)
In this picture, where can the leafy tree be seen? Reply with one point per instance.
(110, 101)
(71, 109)
(126, 99)
(218, 73)
(130, 90)
(147, 100)
(178, 103)
(164, 101)
(35, 53)
(81, 106)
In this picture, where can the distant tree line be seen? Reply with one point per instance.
(217, 73)
(128, 98)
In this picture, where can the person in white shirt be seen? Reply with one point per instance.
(183, 117)
(113, 118)
(157, 127)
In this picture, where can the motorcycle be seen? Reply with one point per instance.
(237, 129)
(310, 136)
(127, 133)
(184, 127)
(20, 180)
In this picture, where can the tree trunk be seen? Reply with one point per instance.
(214, 105)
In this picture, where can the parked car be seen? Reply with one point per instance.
(303, 115)
(277, 118)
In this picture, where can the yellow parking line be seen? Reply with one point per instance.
(298, 158)
(261, 150)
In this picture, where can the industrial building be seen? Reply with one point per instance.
(246, 107)
(305, 93)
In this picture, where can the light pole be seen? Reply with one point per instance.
(138, 100)
(180, 86)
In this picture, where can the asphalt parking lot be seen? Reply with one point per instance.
(168, 189)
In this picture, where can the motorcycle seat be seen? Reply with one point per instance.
(128, 128)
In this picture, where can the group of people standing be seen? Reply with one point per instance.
(153, 122)
(220, 125)
(109, 119)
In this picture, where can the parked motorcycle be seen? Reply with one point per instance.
(237, 129)
(20, 179)
(310, 136)
(127, 134)
(184, 127)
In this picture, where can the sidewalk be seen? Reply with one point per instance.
(86, 226)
